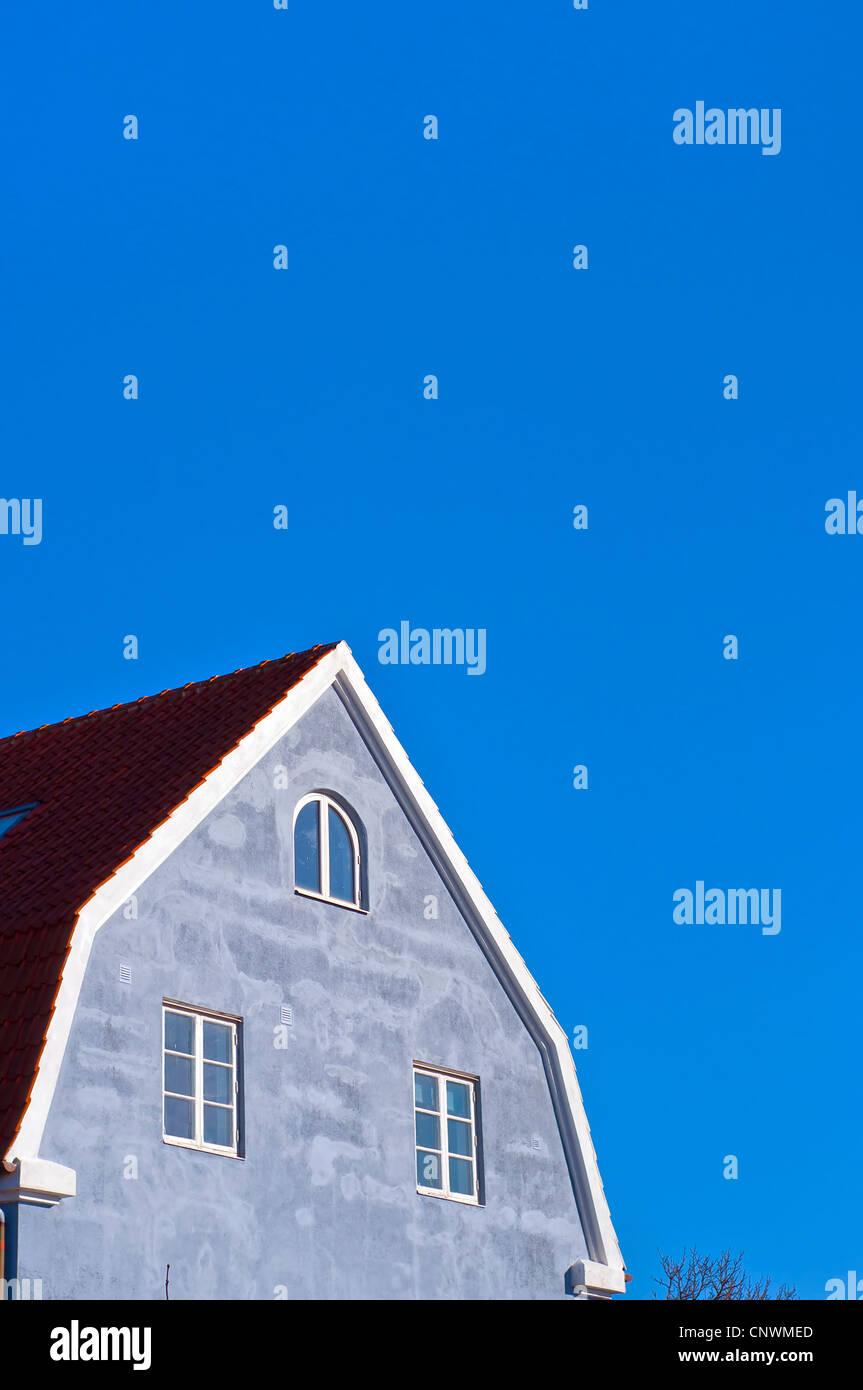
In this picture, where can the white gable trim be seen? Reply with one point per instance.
(117, 890)
(339, 669)
(522, 988)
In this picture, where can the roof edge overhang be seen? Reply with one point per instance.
(339, 670)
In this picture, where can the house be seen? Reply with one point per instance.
(259, 1021)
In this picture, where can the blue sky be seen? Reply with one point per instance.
(557, 387)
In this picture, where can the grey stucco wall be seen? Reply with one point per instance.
(324, 1203)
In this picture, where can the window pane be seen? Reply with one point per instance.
(428, 1131)
(425, 1091)
(217, 1042)
(179, 1118)
(306, 854)
(459, 1138)
(461, 1177)
(428, 1169)
(218, 1126)
(218, 1082)
(341, 859)
(179, 1075)
(458, 1099)
(179, 1033)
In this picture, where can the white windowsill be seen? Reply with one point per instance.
(449, 1197)
(201, 1148)
(335, 902)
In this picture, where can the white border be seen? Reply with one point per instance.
(339, 669)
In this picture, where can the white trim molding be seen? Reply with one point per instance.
(586, 1279)
(119, 888)
(497, 945)
(339, 670)
(36, 1182)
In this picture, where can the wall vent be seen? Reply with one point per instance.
(125, 974)
(287, 1015)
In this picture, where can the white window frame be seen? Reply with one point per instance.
(324, 802)
(440, 1077)
(200, 1017)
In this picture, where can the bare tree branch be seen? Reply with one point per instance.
(700, 1277)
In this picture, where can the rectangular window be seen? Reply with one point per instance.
(200, 1080)
(446, 1137)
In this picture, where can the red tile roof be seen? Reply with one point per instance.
(103, 782)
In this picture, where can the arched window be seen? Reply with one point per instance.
(326, 851)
